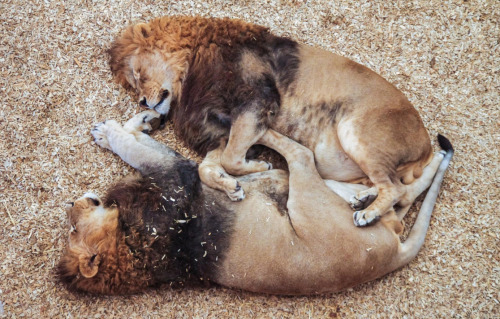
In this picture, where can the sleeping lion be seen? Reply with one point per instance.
(291, 235)
(226, 80)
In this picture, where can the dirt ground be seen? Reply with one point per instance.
(55, 83)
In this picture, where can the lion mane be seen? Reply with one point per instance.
(176, 37)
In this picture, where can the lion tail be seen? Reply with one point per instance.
(415, 240)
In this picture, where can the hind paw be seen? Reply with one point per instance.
(255, 166)
(363, 199)
(362, 218)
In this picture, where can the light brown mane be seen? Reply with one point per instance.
(175, 38)
(116, 274)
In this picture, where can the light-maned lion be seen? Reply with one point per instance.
(225, 79)
(291, 235)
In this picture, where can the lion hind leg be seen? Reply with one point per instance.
(409, 172)
(388, 195)
(345, 190)
(416, 188)
(362, 199)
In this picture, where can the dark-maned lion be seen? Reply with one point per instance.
(226, 79)
(291, 235)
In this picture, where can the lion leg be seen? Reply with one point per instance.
(144, 123)
(378, 165)
(362, 199)
(213, 174)
(388, 194)
(345, 190)
(305, 183)
(113, 136)
(245, 132)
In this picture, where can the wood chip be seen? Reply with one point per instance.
(55, 84)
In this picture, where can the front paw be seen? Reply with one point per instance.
(100, 136)
(101, 131)
(365, 218)
(145, 122)
(237, 193)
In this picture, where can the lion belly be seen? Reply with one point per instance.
(332, 162)
(314, 126)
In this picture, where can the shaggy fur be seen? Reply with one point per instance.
(165, 227)
(226, 79)
(162, 218)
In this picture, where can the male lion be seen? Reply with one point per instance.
(226, 79)
(167, 227)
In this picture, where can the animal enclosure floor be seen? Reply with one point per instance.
(55, 84)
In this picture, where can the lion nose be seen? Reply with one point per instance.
(143, 102)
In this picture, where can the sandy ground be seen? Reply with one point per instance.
(55, 83)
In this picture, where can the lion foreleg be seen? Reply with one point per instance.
(213, 174)
(245, 132)
(111, 135)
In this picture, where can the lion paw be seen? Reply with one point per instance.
(363, 218)
(145, 122)
(260, 166)
(363, 199)
(101, 130)
(100, 136)
(238, 194)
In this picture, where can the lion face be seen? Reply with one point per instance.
(153, 80)
(91, 244)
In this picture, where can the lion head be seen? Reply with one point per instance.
(142, 59)
(153, 79)
(94, 259)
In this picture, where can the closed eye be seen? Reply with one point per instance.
(165, 94)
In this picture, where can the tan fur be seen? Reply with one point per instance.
(360, 141)
(322, 251)
(307, 246)
(213, 174)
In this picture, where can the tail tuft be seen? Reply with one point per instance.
(445, 143)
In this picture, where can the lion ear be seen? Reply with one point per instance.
(129, 76)
(89, 265)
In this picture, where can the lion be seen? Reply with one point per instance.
(225, 79)
(165, 227)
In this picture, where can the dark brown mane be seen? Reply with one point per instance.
(209, 89)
